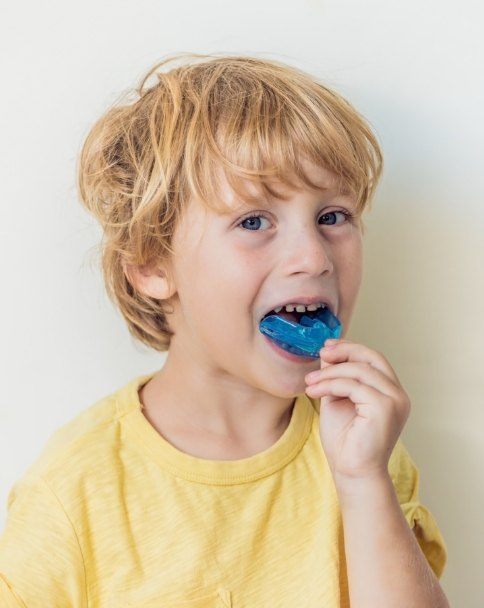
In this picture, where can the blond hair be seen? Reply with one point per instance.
(143, 158)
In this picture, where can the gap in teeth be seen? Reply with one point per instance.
(300, 307)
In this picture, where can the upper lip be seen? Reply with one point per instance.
(304, 300)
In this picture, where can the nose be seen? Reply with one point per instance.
(307, 251)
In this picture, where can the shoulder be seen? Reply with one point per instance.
(403, 472)
(77, 447)
(406, 480)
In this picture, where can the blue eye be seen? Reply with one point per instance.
(256, 216)
(251, 218)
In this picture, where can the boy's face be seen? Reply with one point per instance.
(227, 276)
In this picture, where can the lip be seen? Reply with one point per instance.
(304, 300)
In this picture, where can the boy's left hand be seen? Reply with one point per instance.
(363, 410)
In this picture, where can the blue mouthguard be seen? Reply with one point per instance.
(305, 338)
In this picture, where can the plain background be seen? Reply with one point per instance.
(414, 69)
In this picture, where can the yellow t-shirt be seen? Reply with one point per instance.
(111, 515)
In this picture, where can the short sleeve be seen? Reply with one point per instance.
(40, 559)
(405, 477)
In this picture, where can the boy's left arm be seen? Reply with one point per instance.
(385, 564)
(363, 410)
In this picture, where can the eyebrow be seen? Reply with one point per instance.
(266, 205)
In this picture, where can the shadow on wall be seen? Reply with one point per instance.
(455, 495)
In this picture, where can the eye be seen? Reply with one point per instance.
(251, 219)
(256, 216)
(349, 217)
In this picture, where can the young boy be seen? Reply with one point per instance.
(231, 477)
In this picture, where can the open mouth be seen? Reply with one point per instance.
(301, 333)
(294, 316)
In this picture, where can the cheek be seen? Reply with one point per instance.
(350, 274)
(219, 329)
(230, 272)
(220, 296)
(353, 273)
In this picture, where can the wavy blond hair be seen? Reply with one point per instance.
(253, 118)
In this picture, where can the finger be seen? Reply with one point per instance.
(365, 398)
(363, 372)
(352, 351)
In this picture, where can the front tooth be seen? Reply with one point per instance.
(278, 309)
(302, 307)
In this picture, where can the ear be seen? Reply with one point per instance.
(150, 280)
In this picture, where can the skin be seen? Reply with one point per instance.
(217, 406)
(364, 408)
(223, 393)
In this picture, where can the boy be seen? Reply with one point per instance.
(232, 476)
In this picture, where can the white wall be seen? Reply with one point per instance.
(413, 69)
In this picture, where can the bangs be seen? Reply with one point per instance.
(254, 123)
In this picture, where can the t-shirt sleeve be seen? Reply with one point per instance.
(40, 559)
(405, 476)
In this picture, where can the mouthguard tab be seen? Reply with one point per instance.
(305, 338)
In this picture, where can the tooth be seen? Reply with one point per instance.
(301, 308)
